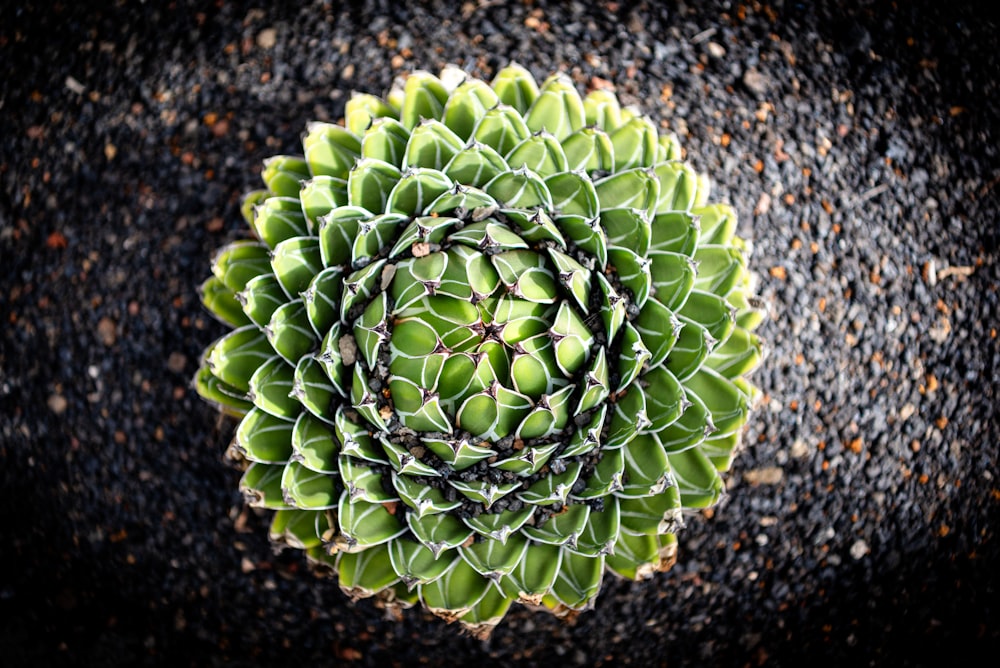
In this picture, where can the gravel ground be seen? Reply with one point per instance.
(858, 140)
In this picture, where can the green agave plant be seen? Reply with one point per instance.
(490, 340)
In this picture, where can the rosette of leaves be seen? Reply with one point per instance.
(490, 340)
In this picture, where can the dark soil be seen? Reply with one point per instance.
(858, 141)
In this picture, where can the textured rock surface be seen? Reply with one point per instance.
(857, 140)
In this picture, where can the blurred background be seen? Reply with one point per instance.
(858, 142)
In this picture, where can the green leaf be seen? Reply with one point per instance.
(501, 128)
(290, 333)
(280, 218)
(456, 592)
(647, 472)
(720, 269)
(628, 229)
(710, 311)
(572, 339)
(337, 232)
(500, 526)
(659, 329)
(432, 145)
(595, 383)
(296, 262)
(370, 182)
(330, 149)
(284, 174)
(314, 445)
(362, 109)
(678, 185)
(271, 389)
(528, 461)
(481, 618)
(375, 236)
(535, 225)
(698, 480)
(261, 486)
(264, 438)
(535, 574)
(223, 303)
(552, 489)
(723, 399)
(573, 277)
(578, 580)
(249, 203)
(482, 491)
(613, 311)
(467, 104)
(664, 398)
(632, 189)
(370, 331)
(261, 298)
(322, 299)
(606, 477)
(628, 417)
(633, 272)
(494, 559)
(718, 223)
(366, 572)
(438, 533)
(520, 189)
(320, 195)
(458, 453)
(415, 564)
(541, 153)
(635, 557)
(587, 437)
(475, 165)
(385, 140)
(236, 264)
(673, 277)
(573, 194)
(602, 109)
(635, 144)
(423, 98)
(418, 408)
(365, 402)
(308, 489)
(739, 355)
(515, 86)
(355, 439)
(359, 286)
(562, 528)
(404, 460)
(526, 275)
(461, 200)
(363, 524)
(363, 482)
(296, 528)
(550, 414)
(424, 499)
(651, 515)
(235, 357)
(332, 360)
(694, 424)
(557, 109)
(600, 534)
(674, 232)
(224, 397)
(589, 150)
(488, 236)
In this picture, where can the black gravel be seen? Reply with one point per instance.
(858, 140)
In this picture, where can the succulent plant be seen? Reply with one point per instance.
(489, 341)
